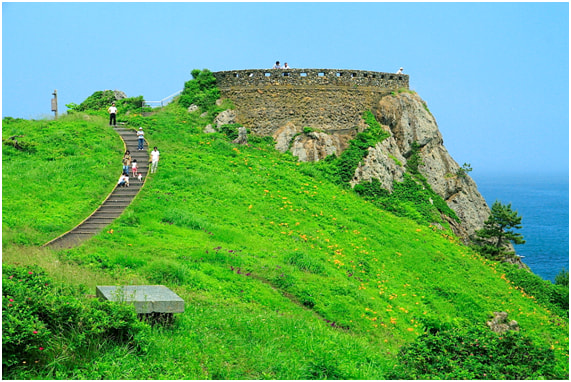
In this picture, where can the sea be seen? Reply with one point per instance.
(542, 200)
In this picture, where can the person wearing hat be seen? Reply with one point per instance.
(112, 114)
(141, 141)
(400, 71)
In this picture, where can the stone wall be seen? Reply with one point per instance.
(324, 99)
(310, 77)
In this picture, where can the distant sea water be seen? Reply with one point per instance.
(542, 200)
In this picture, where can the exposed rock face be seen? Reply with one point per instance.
(227, 117)
(242, 138)
(407, 118)
(118, 94)
(384, 162)
(317, 145)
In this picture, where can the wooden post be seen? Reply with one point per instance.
(54, 102)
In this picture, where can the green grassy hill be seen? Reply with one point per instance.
(285, 274)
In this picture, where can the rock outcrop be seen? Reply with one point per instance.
(500, 324)
(407, 118)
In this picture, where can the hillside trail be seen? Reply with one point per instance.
(115, 203)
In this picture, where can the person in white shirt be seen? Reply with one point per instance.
(277, 65)
(123, 180)
(112, 115)
(141, 139)
(400, 71)
(154, 159)
(286, 66)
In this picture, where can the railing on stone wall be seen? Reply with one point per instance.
(308, 77)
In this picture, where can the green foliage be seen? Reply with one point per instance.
(102, 99)
(464, 170)
(414, 159)
(166, 271)
(201, 90)
(562, 278)
(306, 263)
(475, 353)
(58, 153)
(307, 130)
(410, 198)
(554, 297)
(498, 232)
(41, 320)
(359, 147)
(230, 130)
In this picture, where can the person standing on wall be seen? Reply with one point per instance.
(154, 160)
(112, 115)
(277, 65)
(400, 71)
(141, 139)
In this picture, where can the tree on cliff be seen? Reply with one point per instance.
(498, 232)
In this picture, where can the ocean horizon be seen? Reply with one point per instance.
(542, 200)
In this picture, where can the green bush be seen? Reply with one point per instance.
(410, 198)
(200, 91)
(414, 160)
(102, 99)
(474, 353)
(562, 278)
(40, 319)
(231, 130)
(554, 297)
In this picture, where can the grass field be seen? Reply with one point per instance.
(285, 274)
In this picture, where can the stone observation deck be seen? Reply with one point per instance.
(310, 77)
(281, 102)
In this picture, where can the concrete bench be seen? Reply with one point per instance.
(147, 299)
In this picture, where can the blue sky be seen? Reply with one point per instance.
(495, 75)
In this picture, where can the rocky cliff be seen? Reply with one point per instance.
(407, 118)
(328, 123)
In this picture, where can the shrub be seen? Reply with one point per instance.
(554, 297)
(410, 198)
(414, 160)
(474, 353)
(40, 319)
(231, 130)
(562, 278)
(201, 90)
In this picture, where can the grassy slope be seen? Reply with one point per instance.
(284, 275)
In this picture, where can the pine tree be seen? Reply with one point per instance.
(498, 232)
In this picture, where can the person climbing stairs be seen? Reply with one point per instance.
(115, 203)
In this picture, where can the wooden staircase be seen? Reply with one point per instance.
(115, 203)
